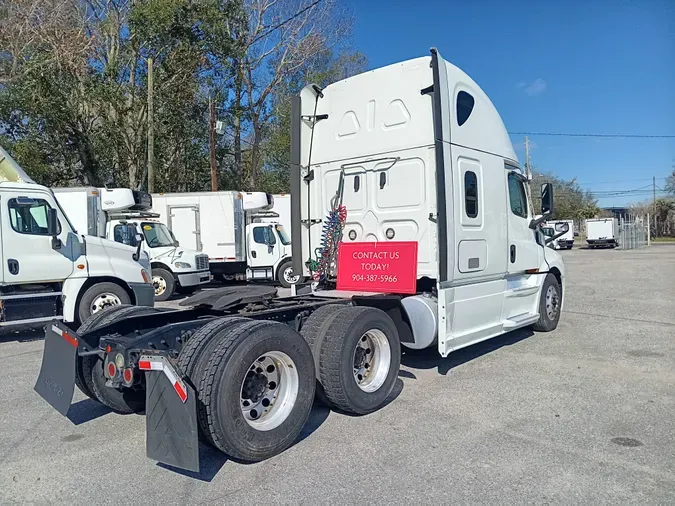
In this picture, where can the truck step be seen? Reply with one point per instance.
(520, 320)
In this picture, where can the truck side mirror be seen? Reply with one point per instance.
(53, 228)
(546, 198)
(139, 243)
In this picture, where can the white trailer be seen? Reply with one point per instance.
(408, 197)
(602, 232)
(235, 229)
(565, 241)
(120, 214)
(50, 269)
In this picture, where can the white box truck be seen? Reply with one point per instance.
(602, 232)
(120, 214)
(49, 269)
(236, 230)
(566, 240)
(414, 198)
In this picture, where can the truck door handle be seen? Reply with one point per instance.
(253, 254)
(513, 253)
(383, 180)
(13, 266)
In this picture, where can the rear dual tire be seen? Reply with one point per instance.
(358, 356)
(255, 383)
(89, 375)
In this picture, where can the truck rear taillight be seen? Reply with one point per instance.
(128, 376)
(111, 370)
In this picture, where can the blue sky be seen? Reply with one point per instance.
(596, 66)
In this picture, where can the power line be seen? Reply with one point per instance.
(613, 136)
(286, 21)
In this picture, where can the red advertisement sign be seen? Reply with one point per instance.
(389, 267)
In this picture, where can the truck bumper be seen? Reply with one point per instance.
(194, 278)
(144, 293)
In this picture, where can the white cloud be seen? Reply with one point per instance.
(536, 87)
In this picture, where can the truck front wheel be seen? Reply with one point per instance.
(359, 359)
(285, 275)
(101, 296)
(164, 284)
(549, 305)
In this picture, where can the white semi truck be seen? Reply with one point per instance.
(237, 230)
(50, 271)
(121, 214)
(602, 232)
(410, 213)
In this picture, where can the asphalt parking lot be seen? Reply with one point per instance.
(583, 414)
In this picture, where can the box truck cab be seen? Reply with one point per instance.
(49, 270)
(564, 230)
(122, 214)
(237, 230)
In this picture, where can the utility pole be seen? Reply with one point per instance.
(654, 192)
(151, 132)
(527, 156)
(212, 144)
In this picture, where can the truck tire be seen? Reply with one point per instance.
(549, 305)
(314, 330)
(196, 353)
(258, 390)
(164, 284)
(285, 275)
(89, 324)
(359, 360)
(89, 376)
(101, 296)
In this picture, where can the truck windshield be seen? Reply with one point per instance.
(158, 235)
(283, 235)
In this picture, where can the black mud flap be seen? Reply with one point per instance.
(56, 381)
(171, 424)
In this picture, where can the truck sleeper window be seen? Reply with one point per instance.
(517, 197)
(29, 216)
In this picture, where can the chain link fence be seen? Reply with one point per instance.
(633, 233)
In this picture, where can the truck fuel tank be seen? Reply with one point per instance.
(422, 311)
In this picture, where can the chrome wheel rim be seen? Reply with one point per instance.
(160, 284)
(288, 276)
(372, 360)
(103, 301)
(269, 391)
(552, 302)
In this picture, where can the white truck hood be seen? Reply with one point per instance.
(98, 246)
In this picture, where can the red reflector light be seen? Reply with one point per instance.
(145, 365)
(112, 370)
(70, 339)
(179, 390)
(127, 375)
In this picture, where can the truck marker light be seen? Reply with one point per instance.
(108, 349)
(66, 336)
(80, 266)
(532, 271)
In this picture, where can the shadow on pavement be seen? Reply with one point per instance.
(429, 358)
(86, 410)
(210, 463)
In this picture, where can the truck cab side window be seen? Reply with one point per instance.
(264, 235)
(471, 194)
(517, 197)
(29, 216)
(126, 234)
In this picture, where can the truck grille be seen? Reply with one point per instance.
(202, 262)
